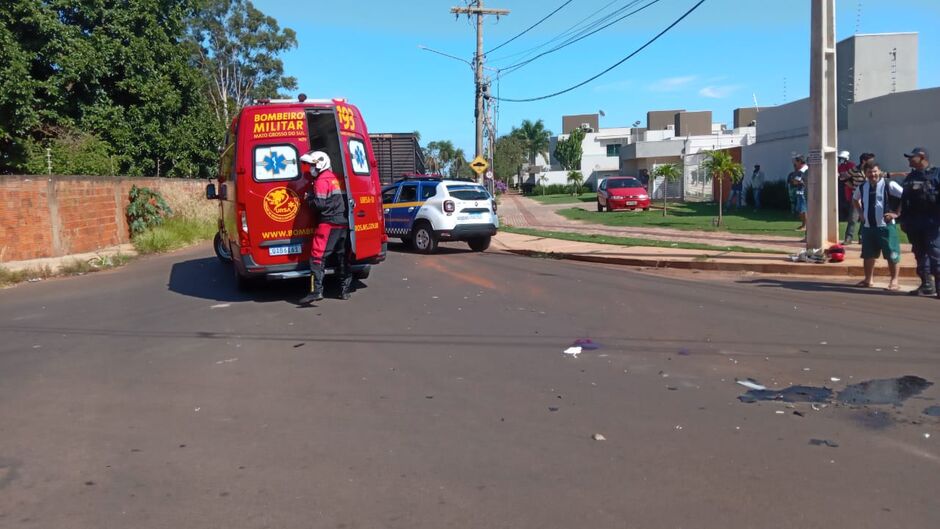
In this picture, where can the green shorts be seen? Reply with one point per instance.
(883, 242)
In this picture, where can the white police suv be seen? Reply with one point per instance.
(423, 210)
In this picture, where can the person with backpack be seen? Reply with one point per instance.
(876, 200)
(920, 219)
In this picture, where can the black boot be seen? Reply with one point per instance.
(346, 279)
(316, 286)
(927, 287)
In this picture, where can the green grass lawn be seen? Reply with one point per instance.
(631, 241)
(564, 199)
(698, 216)
(174, 233)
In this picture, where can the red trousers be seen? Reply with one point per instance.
(328, 240)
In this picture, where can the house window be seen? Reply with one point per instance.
(613, 150)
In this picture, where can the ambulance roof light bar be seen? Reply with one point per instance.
(301, 98)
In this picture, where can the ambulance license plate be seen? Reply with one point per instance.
(631, 202)
(284, 250)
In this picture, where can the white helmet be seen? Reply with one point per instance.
(845, 155)
(319, 161)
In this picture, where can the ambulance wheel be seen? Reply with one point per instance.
(221, 251)
(479, 244)
(363, 274)
(423, 238)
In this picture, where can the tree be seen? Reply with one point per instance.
(121, 72)
(568, 151)
(237, 48)
(536, 138)
(509, 156)
(720, 165)
(576, 179)
(458, 164)
(668, 172)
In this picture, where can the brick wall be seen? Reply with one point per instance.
(61, 215)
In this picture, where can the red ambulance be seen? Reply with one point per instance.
(265, 226)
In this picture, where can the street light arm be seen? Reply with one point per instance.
(449, 56)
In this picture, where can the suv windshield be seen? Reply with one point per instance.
(468, 192)
(621, 183)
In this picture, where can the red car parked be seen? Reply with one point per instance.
(622, 192)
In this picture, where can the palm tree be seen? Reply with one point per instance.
(535, 137)
(668, 172)
(720, 165)
(576, 179)
(458, 161)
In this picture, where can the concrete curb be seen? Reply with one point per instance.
(828, 269)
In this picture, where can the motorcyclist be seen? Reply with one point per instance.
(328, 200)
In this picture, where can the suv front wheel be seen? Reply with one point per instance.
(423, 238)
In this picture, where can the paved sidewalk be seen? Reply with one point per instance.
(523, 212)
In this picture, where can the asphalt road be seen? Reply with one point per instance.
(157, 396)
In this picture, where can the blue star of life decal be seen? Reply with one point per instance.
(275, 162)
(360, 156)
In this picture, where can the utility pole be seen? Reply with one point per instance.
(476, 8)
(822, 216)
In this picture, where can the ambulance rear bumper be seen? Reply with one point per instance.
(248, 267)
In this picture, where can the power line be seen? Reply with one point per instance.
(574, 27)
(618, 63)
(569, 42)
(546, 17)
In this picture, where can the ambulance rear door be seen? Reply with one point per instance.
(367, 226)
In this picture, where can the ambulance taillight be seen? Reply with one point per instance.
(243, 230)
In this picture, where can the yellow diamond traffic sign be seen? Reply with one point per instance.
(479, 165)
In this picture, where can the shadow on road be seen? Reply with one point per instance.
(207, 278)
(443, 249)
(815, 286)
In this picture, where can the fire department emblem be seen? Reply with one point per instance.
(281, 204)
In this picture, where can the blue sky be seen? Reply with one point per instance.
(717, 59)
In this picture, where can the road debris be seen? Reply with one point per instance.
(227, 361)
(298, 345)
(684, 352)
(573, 351)
(824, 442)
(552, 408)
(751, 384)
(221, 306)
(598, 437)
(883, 391)
(790, 394)
(586, 344)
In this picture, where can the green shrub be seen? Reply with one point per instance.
(773, 196)
(552, 189)
(175, 232)
(147, 209)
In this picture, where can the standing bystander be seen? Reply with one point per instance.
(757, 185)
(797, 182)
(877, 200)
(851, 178)
(920, 219)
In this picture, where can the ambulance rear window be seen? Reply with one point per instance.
(468, 192)
(276, 162)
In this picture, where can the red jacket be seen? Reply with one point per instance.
(329, 199)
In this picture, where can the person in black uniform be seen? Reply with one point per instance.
(920, 219)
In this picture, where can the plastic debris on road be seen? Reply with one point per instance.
(573, 351)
(824, 442)
(227, 361)
(598, 437)
(221, 306)
(751, 384)
(586, 344)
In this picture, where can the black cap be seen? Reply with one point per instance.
(918, 151)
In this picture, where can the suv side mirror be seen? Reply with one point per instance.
(210, 192)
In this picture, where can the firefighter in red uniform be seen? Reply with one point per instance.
(328, 200)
